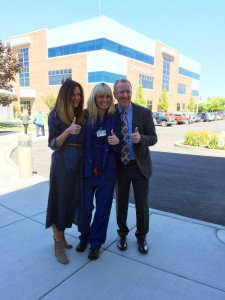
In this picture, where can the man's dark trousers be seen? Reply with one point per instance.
(127, 174)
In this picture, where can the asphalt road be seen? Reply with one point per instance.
(187, 182)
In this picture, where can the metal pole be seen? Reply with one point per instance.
(25, 156)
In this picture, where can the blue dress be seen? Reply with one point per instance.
(66, 177)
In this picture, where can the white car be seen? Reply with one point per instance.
(211, 117)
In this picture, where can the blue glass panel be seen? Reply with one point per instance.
(24, 74)
(181, 88)
(147, 81)
(74, 48)
(91, 77)
(82, 47)
(91, 46)
(67, 49)
(195, 93)
(103, 76)
(100, 44)
(55, 77)
(188, 73)
(27, 81)
(51, 52)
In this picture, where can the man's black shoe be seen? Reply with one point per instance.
(142, 246)
(122, 243)
(81, 247)
(93, 253)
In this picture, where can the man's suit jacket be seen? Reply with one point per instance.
(142, 118)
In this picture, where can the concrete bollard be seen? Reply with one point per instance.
(25, 156)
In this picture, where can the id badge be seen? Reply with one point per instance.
(101, 133)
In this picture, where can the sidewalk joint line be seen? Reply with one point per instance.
(157, 268)
(12, 223)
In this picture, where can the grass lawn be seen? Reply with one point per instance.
(11, 127)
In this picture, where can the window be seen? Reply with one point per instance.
(196, 108)
(149, 104)
(195, 93)
(166, 73)
(178, 106)
(58, 76)
(97, 45)
(103, 76)
(188, 73)
(147, 81)
(183, 106)
(181, 88)
(25, 105)
(24, 76)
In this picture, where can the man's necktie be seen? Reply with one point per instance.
(125, 142)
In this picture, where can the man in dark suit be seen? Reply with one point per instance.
(138, 133)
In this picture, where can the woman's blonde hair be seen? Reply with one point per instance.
(25, 112)
(101, 89)
(63, 106)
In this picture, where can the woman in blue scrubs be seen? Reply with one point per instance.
(66, 137)
(100, 167)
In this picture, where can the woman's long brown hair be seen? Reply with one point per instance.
(64, 109)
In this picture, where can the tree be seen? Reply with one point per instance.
(163, 104)
(216, 104)
(191, 104)
(139, 100)
(7, 97)
(10, 65)
(202, 107)
(50, 100)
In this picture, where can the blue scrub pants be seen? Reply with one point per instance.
(38, 129)
(95, 232)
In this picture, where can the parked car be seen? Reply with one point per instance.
(218, 116)
(204, 117)
(200, 117)
(197, 117)
(187, 115)
(161, 119)
(222, 113)
(179, 118)
(212, 117)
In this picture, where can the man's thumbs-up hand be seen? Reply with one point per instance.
(135, 137)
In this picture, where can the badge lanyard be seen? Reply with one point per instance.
(101, 132)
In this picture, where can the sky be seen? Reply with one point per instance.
(196, 28)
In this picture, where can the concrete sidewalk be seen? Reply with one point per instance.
(186, 259)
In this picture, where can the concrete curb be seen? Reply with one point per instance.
(216, 151)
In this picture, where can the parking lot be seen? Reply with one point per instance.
(187, 181)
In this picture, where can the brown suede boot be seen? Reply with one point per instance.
(66, 245)
(60, 252)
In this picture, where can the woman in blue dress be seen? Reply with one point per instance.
(100, 167)
(66, 138)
